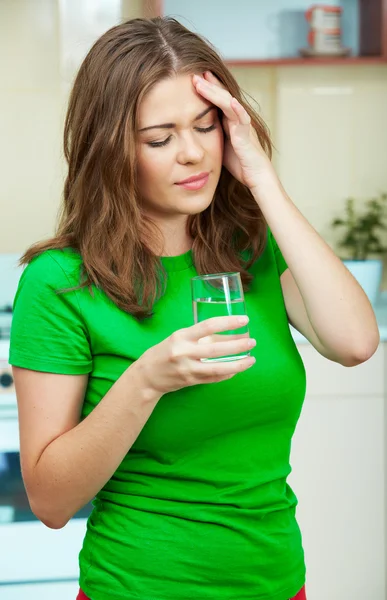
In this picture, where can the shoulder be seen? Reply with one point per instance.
(58, 267)
(48, 331)
(45, 275)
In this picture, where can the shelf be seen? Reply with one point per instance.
(364, 29)
(308, 62)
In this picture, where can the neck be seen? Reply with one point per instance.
(172, 248)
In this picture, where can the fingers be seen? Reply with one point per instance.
(216, 370)
(214, 91)
(223, 348)
(209, 76)
(242, 113)
(215, 94)
(211, 326)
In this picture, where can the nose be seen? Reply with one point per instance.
(190, 149)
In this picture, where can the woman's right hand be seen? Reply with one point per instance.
(175, 362)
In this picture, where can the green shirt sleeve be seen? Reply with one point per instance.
(279, 259)
(47, 331)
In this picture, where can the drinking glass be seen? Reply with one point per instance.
(219, 295)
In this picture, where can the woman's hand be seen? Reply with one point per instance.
(175, 362)
(243, 156)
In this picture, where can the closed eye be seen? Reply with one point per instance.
(165, 142)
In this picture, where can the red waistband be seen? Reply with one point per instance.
(301, 595)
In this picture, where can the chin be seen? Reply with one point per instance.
(197, 205)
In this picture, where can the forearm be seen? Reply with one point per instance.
(76, 465)
(338, 309)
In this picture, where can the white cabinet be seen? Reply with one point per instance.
(339, 477)
(31, 552)
(40, 591)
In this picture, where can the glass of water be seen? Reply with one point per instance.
(219, 295)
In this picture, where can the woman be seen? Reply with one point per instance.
(186, 463)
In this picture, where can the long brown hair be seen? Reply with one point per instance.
(101, 216)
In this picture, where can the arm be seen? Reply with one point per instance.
(297, 315)
(323, 300)
(332, 307)
(65, 461)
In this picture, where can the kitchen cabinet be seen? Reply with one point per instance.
(339, 476)
(66, 590)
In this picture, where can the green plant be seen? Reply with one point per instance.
(361, 237)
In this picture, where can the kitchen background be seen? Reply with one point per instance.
(328, 120)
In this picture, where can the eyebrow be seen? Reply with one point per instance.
(171, 125)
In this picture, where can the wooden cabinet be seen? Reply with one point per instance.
(373, 28)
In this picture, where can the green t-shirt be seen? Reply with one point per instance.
(199, 508)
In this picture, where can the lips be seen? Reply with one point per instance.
(196, 184)
(193, 178)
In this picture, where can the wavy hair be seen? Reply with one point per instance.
(100, 214)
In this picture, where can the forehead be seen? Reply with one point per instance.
(173, 99)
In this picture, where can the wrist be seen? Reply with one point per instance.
(267, 186)
(141, 382)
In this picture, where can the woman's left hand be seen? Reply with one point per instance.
(243, 155)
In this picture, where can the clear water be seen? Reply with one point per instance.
(206, 308)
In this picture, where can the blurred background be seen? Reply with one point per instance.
(318, 76)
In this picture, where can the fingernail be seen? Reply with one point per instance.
(244, 319)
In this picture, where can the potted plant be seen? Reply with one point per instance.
(362, 241)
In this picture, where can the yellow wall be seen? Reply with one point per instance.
(329, 124)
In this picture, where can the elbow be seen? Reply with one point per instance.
(48, 517)
(363, 352)
(44, 503)
(53, 523)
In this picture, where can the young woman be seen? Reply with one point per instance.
(185, 461)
